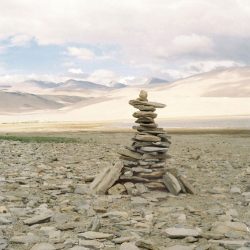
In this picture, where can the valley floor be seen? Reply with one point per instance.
(48, 178)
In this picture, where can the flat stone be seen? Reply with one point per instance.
(106, 179)
(154, 149)
(38, 219)
(187, 185)
(129, 153)
(144, 108)
(5, 221)
(179, 233)
(128, 246)
(154, 104)
(91, 235)
(144, 120)
(228, 226)
(153, 175)
(93, 244)
(235, 190)
(146, 137)
(171, 183)
(155, 185)
(123, 239)
(43, 246)
(234, 244)
(79, 248)
(140, 114)
(146, 244)
(180, 247)
(25, 239)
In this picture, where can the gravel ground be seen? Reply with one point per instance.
(45, 203)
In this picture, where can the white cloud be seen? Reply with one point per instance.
(192, 44)
(81, 53)
(76, 71)
(146, 32)
(3, 49)
(103, 76)
(133, 80)
(20, 40)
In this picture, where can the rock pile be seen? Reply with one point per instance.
(145, 161)
(143, 165)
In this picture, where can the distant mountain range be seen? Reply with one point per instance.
(70, 85)
(216, 93)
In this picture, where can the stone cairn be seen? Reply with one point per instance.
(143, 165)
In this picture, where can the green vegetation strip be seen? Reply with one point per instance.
(39, 139)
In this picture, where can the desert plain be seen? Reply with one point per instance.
(45, 202)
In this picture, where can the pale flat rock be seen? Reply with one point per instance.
(172, 183)
(25, 239)
(129, 153)
(37, 219)
(228, 226)
(43, 246)
(93, 244)
(140, 114)
(79, 248)
(154, 149)
(187, 185)
(232, 243)
(106, 179)
(180, 247)
(154, 104)
(123, 239)
(144, 108)
(146, 137)
(91, 235)
(128, 246)
(179, 233)
(146, 244)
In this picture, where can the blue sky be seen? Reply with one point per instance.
(112, 40)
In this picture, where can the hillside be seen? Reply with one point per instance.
(213, 94)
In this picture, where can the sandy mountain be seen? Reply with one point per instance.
(233, 82)
(219, 93)
(81, 85)
(16, 102)
(156, 81)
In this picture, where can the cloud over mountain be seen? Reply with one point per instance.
(133, 37)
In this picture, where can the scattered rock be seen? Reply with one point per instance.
(178, 233)
(38, 219)
(43, 246)
(128, 246)
(171, 183)
(91, 235)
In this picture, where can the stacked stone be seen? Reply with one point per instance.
(145, 161)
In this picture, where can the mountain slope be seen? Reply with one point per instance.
(217, 93)
(16, 102)
(81, 85)
(234, 82)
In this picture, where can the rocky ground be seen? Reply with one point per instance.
(45, 203)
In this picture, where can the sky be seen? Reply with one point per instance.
(125, 40)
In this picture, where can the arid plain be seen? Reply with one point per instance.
(45, 200)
